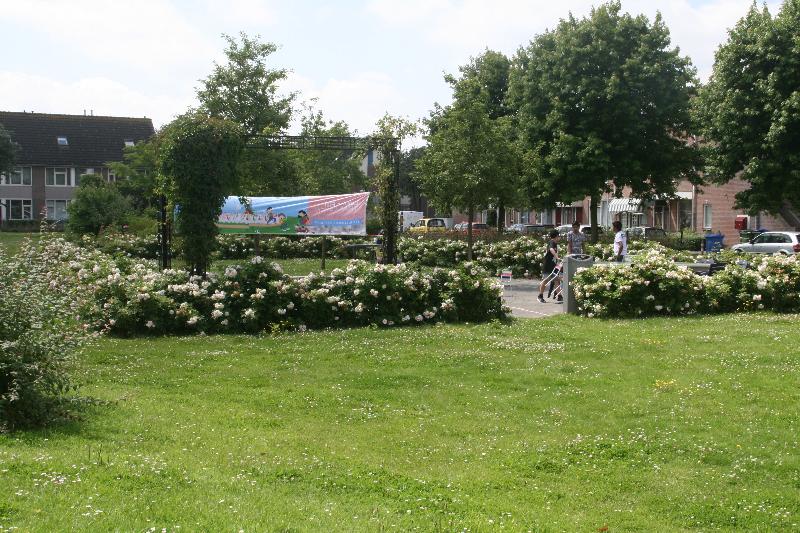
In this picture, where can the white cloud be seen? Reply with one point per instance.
(148, 35)
(19, 91)
(467, 27)
(359, 100)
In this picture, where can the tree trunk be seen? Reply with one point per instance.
(593, 207)
(470, 214)
(501, 216)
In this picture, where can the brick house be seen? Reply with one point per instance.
(53, 151)
(708, 208)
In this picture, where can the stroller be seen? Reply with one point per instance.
(553, 283)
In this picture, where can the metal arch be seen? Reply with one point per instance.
(303, 142)
(318, 142)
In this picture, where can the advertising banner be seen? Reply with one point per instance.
(338, 214)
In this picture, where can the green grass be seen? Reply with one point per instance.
(10, 241)
(561, 424)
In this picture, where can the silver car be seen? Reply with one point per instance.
(771, 242)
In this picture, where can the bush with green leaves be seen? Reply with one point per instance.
(200, 155)
(654, 284)
(97, 205)
(126, 296)
(39, 335)
(523, 255)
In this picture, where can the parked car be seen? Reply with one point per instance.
(647, 232)
(428, 225)
(477, 227)
(771, 242)
(530, 229)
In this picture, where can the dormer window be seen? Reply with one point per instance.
(62, 141)
(128, 143)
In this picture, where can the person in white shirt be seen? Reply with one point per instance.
(620, 242)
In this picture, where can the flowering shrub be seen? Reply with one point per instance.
(228, 246)
(523, 255)
(605, 251)
(38, 336)
(652, 284)
(655, 285)
(131, 297)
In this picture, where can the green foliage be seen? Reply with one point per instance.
(664, 424)
(200, 155)
(470, 157)
(603, 100)
(319, 172)
(97, 205)
(750, 109)
(7, 150)
(655, 285)
(38, 336)
(136, 175)
(384, 183)
(245, 89)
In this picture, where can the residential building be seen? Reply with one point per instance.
(53, 152)
(708, 208)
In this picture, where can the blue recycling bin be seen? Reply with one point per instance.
(714, 242)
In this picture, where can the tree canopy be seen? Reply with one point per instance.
(469, 155)
(245, 89)
(750, 109)
(326, 171)
(603, 100)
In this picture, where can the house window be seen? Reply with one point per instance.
(111, 176)
(58, 177)
(706, 216)
(19, 209)
(62, 141)
(18, 176)
(129, 143)
(57, 209)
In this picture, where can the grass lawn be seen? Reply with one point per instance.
(560, 424)
(10, 240)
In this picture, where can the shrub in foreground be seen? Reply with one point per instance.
(655, 285)
(38, 337)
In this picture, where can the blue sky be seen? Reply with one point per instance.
(359, 59)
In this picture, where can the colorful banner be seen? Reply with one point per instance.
(339, 214)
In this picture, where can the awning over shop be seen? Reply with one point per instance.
(624, 205)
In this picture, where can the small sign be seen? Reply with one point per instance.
(506, 275)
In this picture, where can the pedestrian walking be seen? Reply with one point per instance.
(620, 242)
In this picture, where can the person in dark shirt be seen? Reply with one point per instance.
(549, 264)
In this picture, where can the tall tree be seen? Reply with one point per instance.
(138, 168)
(750, 109)
(326, 171)
(467, 158)
(603, 102)
(245, 91)
(485, 78)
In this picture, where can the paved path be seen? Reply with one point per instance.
(520, 295)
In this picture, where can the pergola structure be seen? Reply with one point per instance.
(389, 145)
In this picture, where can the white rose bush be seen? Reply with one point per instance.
(523, 255)
(125, 297)
(655, 285)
